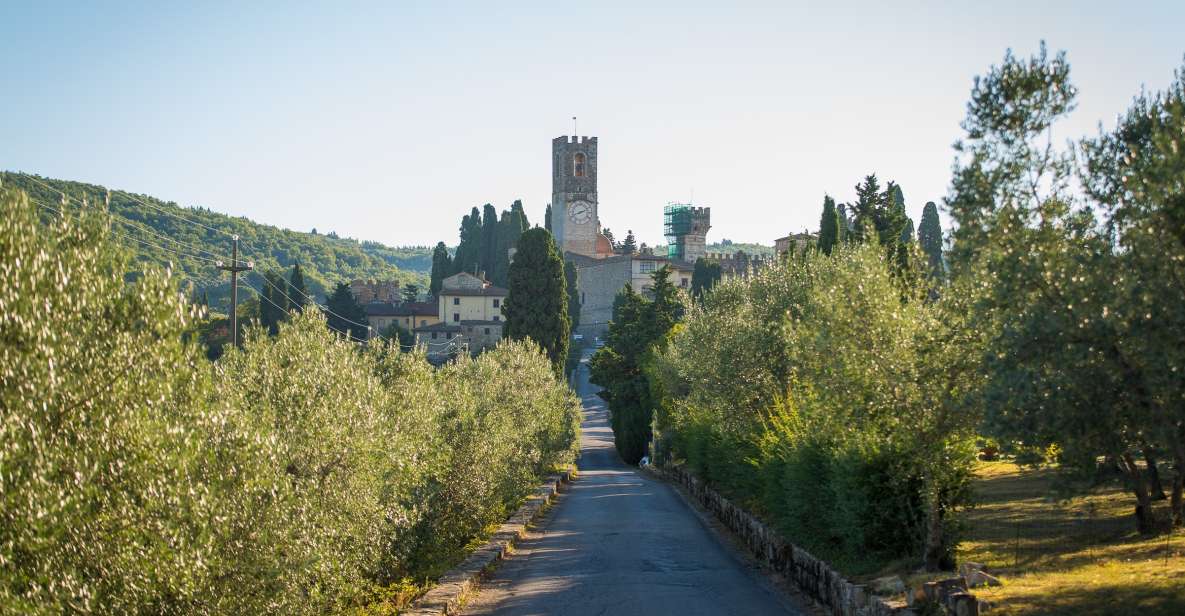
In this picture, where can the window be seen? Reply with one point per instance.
(646, 266)
(578, 165)
(497, 302)
(423, 322)
(683, 282)
(497, 318)
(487, 331)
(456, 301)
(456, 317)
(434, 335)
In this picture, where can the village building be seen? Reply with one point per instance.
(797, 241)
(408, 315)
(469, 317)
(368, 291)
(576, 225)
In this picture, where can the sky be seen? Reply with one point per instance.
(389, 121)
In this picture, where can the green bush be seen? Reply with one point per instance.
(822, 393)
(298, 474)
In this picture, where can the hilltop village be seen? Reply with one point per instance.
(466, 310)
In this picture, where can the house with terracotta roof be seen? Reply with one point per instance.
(469, 317)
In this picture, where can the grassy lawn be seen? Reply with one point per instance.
(1078, 556)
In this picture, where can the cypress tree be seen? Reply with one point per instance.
(411, 292)
(705, 276)
(517, 211)
(629, 245)
(547, 218)
(510, 228)
(537, 305)
(273, 308)
(489, 240)
(571, 279)
(442, 267)
(468, 256)
(930, 238)
(342, 306)
(297, 289)
(829, 226)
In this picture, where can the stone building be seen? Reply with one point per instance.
(797, 241)
(367, 291)
(469, 317)
(576, 225)
(409, 315)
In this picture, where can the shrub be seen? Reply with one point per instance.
(299, 474)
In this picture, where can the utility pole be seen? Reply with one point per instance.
(234, 268)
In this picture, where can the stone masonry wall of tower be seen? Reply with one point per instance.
(574, 217)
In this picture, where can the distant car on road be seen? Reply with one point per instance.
(597, 342)
(578, 337)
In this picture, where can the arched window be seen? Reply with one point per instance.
(578, 165)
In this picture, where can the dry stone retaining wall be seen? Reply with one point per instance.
(812, 576)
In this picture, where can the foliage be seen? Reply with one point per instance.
(536, 306)
(572, 284)
(629, 245)
(442, 267)
(298, 292)
(638, 327)
(156, 238)
(468, 255)
(346, 316)
(705, 276)
(274, 305)
(297, 475)
(828, 393)
(930, 239)
(1079, 315)
(829, 226)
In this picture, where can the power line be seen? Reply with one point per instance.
(125, 236)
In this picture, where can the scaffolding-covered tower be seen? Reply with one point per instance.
(686, 228)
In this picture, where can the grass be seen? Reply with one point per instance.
(1079, 555)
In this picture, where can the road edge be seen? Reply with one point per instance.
(449, 594)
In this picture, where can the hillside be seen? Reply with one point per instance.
(156, 233)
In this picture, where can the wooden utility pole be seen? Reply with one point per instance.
(234, 268)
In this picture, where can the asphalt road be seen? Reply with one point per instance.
(619, 542)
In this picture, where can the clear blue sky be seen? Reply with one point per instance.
(389, 121)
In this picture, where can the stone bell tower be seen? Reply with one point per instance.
(574, 220)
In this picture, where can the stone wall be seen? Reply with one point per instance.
(812, 576)
(598, 281)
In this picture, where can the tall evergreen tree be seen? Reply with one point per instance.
(930, 237)
(829, 226)
(609, 236)
(468, 255)
(547, 218)
(510, 228)
(489, 240)
(517, 211)
(297, 289)
(572, 282)
(411, 292)
(629, 245)
(537, 305)
(705, 276)
(638, 325)
(346, 316)
(442, 267)
(273, 307)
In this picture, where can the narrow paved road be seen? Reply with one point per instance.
(620, 542)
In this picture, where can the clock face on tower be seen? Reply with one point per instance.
(580, 212)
